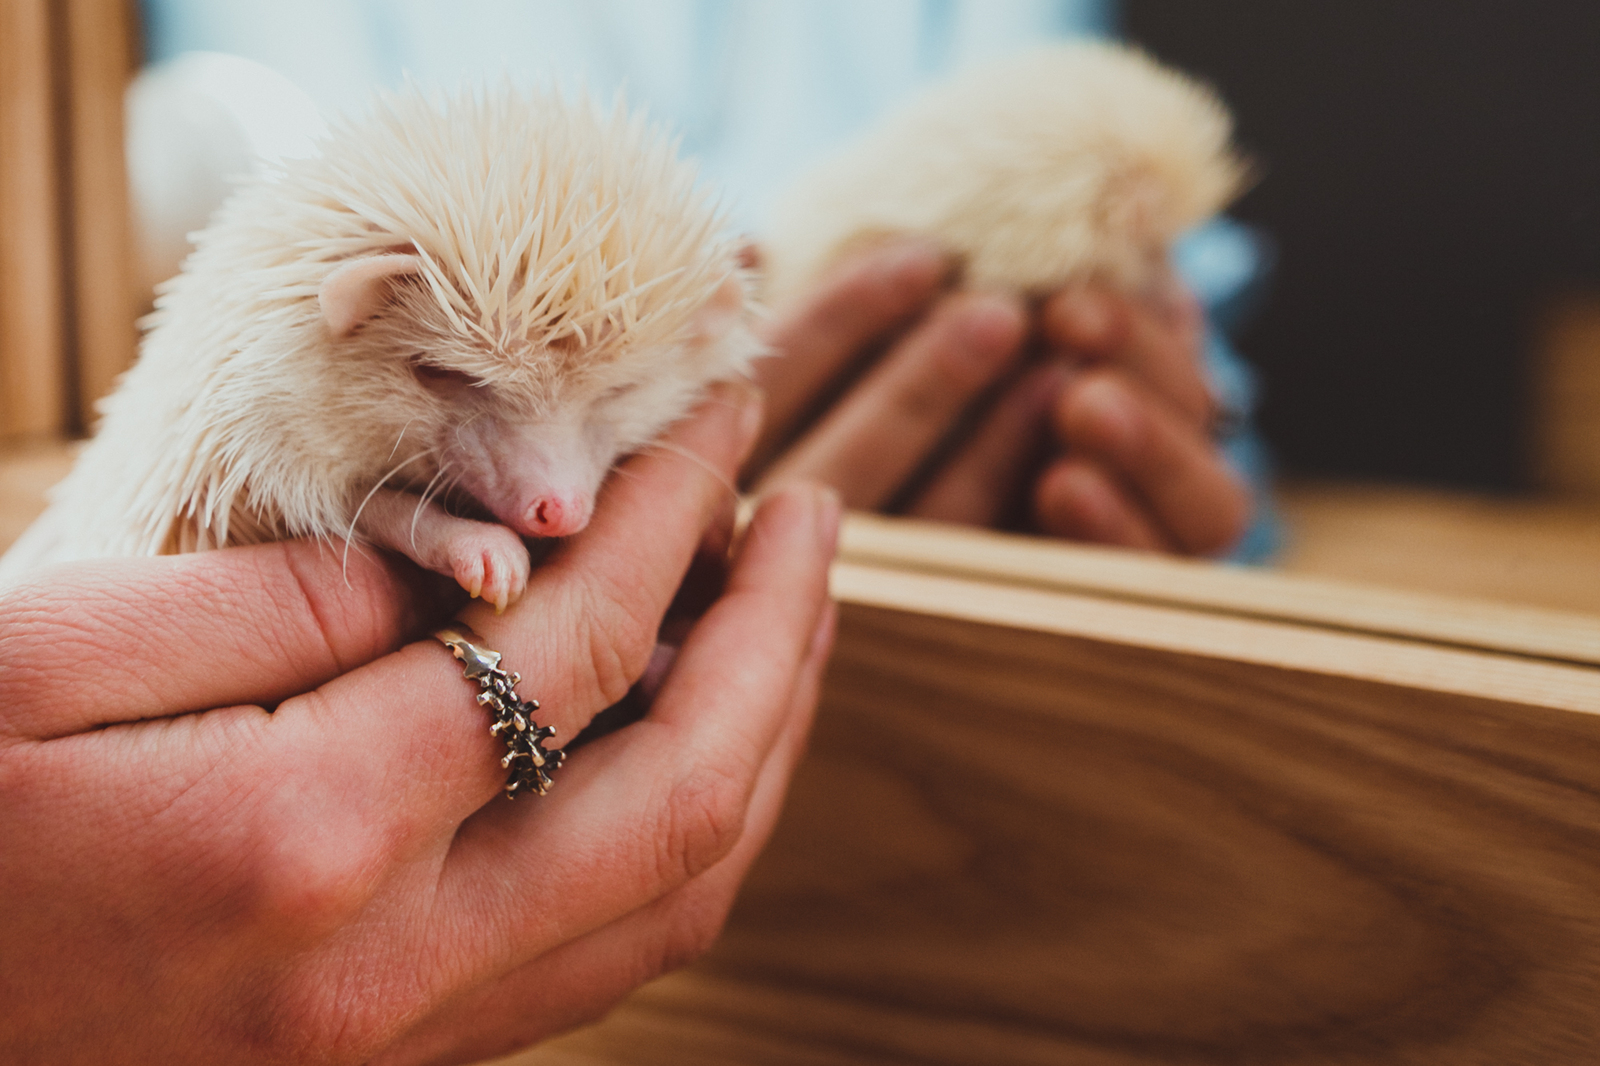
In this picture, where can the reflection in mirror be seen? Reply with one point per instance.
(1431, 347)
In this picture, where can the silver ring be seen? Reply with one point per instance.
(528, 762)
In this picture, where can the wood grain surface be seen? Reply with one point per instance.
(99, 35)
(32, 368)
(1522, 678)
(1009, 846)
(1272, 594)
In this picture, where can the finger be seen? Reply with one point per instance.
(1183, 482)
(578, 981)
(398, 752)
(1078, 500)
(655, 805)
(987, 476)
(190, 632)
(821, 336)
(869, 444)
(1156, 339)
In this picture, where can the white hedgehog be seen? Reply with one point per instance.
(1063, 164)
(497, 293)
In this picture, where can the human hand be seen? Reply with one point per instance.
(1139, 467)
(915, 358)
(1090, 422)
(187, 878)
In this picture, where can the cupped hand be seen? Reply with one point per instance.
(1087, 417)
(187, 877)
(1139, 467)
(873, 369)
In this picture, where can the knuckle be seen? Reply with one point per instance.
(620, 641)
(702, 819)
(307, 889)
(309, 896)
(923, 399)
(973, 338)
(306, 608)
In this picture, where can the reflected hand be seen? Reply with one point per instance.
(918, 356)
(1106, 439)
(1140, 468)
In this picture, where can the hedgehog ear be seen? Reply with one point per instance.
(720, 313)
(360, 288)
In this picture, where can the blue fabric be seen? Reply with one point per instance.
(1227, 264)
(757, 88)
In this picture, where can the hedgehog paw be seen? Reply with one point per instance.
(490, 562)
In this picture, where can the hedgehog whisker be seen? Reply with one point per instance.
(344, 562)
(400, 438)
(621, 470)
(422, 502)
(698, 460)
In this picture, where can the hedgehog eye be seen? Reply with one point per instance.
(441, 379)
(617, 392)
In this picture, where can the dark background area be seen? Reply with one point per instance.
(1430, 173)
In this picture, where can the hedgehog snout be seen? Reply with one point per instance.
(538, 479)
(556, 515)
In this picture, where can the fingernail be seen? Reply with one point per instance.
(914, 249)
(915, 262)
(1105, 406)
(991, 326)
(827, 509)
(1086, 494)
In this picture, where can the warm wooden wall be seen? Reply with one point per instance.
(32, 390)
(66, 297)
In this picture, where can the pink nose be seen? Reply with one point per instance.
(552, 516)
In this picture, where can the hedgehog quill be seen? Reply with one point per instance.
(436, 337)
(1060, 165)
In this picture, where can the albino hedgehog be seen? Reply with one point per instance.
(1064, 164)
(484, 300)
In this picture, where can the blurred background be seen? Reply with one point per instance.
(1416, 279)
(1431, 173)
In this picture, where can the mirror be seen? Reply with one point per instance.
(1427, 326)
(1431, 347)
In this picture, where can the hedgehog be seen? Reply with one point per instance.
(1064, 164)
(435, 336)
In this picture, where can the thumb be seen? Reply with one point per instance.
(175, 634)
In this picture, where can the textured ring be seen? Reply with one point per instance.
(527, 760)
